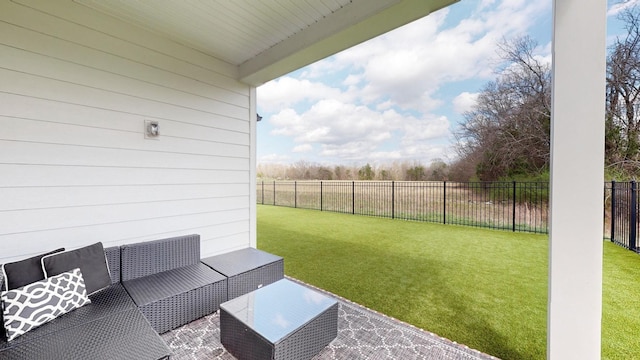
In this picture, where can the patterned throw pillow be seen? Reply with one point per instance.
(30, 306)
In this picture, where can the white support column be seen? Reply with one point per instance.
(253, 229)
(577, 177)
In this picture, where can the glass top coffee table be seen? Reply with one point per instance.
(283, 320)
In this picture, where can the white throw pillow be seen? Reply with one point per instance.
(32, 305)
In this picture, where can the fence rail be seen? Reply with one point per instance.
(514, 206)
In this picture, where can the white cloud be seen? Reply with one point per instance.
(355, 132)
(486, 3)
(464, 102)
(386, 105)
(419, 130)
(320, 69)
(287, 91)
(353, 150)
(410, 64)
(304, 148)
(352, 80)
(333, 122)
(616, 9)
(274, 158)
(386, 155)
(424, 152)
(428, 152)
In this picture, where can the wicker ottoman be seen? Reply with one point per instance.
(246, 270)
(280, 321)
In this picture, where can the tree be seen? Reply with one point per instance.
(385, 175)
(416, 173)
(622, 136)
(366, 173)
(438, 170)
(324, 173)
(507, 131)
(462, 170)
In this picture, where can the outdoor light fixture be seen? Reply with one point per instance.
(151, 129)
(258, 117)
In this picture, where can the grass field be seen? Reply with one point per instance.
(483, 288)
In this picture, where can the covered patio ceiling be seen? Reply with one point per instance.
(270, 38)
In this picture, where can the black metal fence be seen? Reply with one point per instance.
(621, 213)
(515, 206)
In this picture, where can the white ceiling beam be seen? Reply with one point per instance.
(357, 22)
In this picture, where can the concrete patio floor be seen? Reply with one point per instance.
(362, 334)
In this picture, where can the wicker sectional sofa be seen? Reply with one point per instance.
(155, 287)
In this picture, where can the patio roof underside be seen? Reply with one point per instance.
(267, 39)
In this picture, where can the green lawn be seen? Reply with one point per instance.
(483, 288)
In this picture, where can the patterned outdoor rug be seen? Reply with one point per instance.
(362, 334)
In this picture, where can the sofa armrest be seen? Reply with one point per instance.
(151, 257)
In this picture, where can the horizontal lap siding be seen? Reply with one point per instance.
(75, 168)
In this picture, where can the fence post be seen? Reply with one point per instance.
(444, 202)
(295, 194)
(353, 197)
(633, 221)
(613, 210)
(274, 193)
(262, 192)
(393, 199)
(514, 207)
(320, 195)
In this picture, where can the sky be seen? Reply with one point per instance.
(402, 95)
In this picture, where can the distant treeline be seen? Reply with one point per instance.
(437, 170)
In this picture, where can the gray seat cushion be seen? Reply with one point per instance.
(173, 298)
(166, 284)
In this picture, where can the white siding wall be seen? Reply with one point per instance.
(75, 168)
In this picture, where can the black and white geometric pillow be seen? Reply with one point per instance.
(32, 305)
